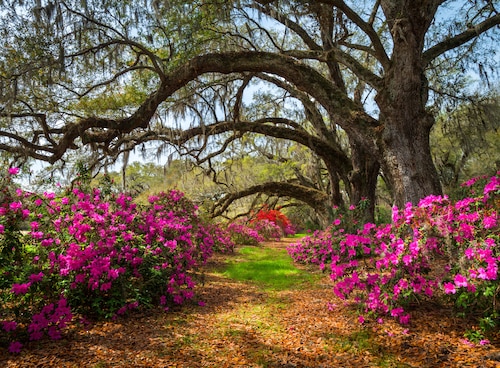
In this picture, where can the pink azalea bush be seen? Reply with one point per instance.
(438, 249)
(81, 254)
(242, 232)
(256, 231)
(264, 226)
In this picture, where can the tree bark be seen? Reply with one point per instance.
(407, 160)
(363, 179)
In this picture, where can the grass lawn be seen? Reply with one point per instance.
(270, 268)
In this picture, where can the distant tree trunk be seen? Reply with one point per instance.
(363, 179)
(124, 170)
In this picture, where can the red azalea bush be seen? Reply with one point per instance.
(265, 225)
(79, 253)
(276, 217)
(439, 249)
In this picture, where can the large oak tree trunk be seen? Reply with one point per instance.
(407, 160)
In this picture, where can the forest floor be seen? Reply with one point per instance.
(243, 324)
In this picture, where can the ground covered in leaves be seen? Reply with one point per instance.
(242, 324)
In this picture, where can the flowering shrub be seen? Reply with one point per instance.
(319, 247)
(242, 232)
(82, 254)
(438, 248)
(267, 229)
(218, 238)
(267, 225)
(277, 218)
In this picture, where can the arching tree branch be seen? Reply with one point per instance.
(313, 197)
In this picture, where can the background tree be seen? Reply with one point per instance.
(113, 76)
(465, 142)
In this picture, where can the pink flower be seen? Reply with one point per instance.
(13, 170)
(49, 195)
(37, 234)
(14, 206)
(36, 277)
(460, 281)
(15, 347)
(494, 184)
(106, 286)
(20, 288)
(469, 253)
(449, 288)
(54, 333)
(489, 222)
(361, 319)
(397, 312)
(407, 259)
(133, 305)
(404, 319)
(467, 342)
(470, 182)
(428, 291)
(9, 326)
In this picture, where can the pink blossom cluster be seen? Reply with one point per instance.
(253, 232)
(242, 233)
(269, 230)
(95, 256)
(438, 248)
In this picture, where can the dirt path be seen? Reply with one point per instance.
(243, 326)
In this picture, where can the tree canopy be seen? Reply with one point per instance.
(358, 83)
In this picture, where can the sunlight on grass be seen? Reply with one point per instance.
(270, 268)
(297, 235)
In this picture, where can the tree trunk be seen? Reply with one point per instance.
(363, 180)
(407, 160)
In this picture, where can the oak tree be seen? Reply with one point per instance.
(111, 75)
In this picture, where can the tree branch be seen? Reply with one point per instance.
(351, 116)
(344, 58)
(380, 53)
(313, 197)
(459, 39)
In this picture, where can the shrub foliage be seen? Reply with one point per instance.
(82, 253)
(438, 249)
